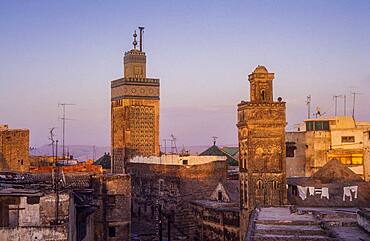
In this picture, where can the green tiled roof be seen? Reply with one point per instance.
(104, 161)
(216, 151)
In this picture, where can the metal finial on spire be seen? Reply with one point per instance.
(135, 42)
(141, 38)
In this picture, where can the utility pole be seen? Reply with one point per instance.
(308, 103)
(345, 105)
(335, 97)
(64, 125)
(160, 222)
(354, 103)
(165, 145)
(173, 144)
(214, 140)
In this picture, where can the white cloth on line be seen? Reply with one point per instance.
(354, 189)
(311, 190)
(325, 192)
(302, 192)
(347, 193)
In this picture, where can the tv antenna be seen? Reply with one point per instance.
(354, 103)
(173, 144)
(335, 97)
(308, 103)
(64, 125)
(214, 140)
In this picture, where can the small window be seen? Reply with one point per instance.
(263, 95)
(348, 139)
(290, 149)
(259, 184)
(161, 185)
(112, 231)
(275, 185)
(185, 162)
(368, 135)
(219, 196)
(111, 200)
(309, 126)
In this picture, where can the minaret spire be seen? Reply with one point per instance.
(135, 42)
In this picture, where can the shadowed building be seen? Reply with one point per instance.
(134, 110)
(261, 134)
(14, 146)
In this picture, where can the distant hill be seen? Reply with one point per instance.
(80, 152)
(85, 152)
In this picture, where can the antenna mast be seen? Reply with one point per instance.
(214, 140)
(173, 144)
(354, 103)
(64, 125)
(335, 97)
(308, 103)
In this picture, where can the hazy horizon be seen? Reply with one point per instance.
(69, 51)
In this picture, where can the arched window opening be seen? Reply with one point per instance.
(263, 95)
(275, 185)
(259, 184)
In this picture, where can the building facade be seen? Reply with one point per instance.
(161, 196)
(261, 135)
(134, 111)
(14, 146)
(319, 140)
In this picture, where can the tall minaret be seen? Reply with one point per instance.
(134, 110)
(261, 134)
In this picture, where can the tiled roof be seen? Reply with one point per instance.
(216, 151)
(104, 161)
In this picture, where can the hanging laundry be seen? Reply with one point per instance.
(325, 192)
(302, 192)
(318, 191)
(354, 190)
(347, 193)
(311, 190)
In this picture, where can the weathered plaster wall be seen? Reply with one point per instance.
(58, 233)
(295, 166)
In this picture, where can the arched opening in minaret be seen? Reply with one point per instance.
(263, 95)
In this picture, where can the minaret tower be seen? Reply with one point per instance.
(134, 110)
(261, 134)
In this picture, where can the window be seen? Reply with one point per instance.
(185, 162)
(368, 135)
(348, 159)
(275, 185)
(219, 196)
(161, 186)
(317, 126)
(263, 95)
(348, 139)
(290, 149)
(259, 184)
(111, 200)
(112, 231)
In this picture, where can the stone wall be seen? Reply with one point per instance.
(14, 145)
(170, 187)
(57, 233)
(113, 216)
(215, 223)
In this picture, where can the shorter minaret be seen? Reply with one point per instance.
(261, 135)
